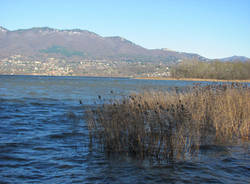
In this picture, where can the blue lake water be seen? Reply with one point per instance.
(44, 138)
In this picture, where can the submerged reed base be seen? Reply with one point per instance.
(170, 125)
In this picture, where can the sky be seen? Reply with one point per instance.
(211, 28)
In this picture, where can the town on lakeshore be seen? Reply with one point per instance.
(21, 65)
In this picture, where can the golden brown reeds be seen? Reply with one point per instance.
(167, 125)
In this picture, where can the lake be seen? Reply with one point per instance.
(44, 138)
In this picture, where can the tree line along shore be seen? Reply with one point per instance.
(212, 70)
(215, 71)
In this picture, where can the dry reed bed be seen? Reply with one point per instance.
(168, 125)
(194, 79)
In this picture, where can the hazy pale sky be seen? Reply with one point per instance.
(211, 28)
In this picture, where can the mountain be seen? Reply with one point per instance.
(3, 30)
(235, 58)
(42, 42)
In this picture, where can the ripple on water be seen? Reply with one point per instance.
(43, 139)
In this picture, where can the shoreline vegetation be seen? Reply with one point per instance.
(140, 78)
(192, 79)
(214, 71)
(188, 70)
(173, 124)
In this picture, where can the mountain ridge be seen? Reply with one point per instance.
(234, 58)
(30, 41)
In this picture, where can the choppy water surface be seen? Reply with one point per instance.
(44, 139)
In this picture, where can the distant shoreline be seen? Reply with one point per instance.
(190, 79)
(43, 75)
(138, 78)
